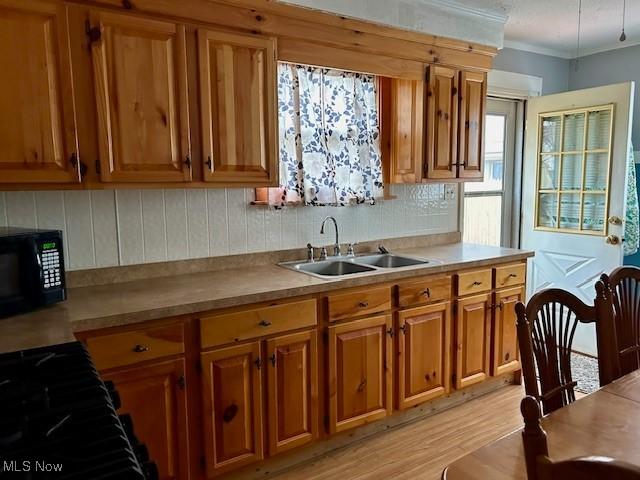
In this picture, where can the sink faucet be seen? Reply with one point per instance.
(336, 246)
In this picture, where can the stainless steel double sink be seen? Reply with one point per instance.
(340, 266)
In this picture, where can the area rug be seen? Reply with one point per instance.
(584, 370)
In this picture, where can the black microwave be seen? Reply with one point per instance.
(31, 269)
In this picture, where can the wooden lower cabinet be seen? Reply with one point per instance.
(232, 405)
(506, 357)
(473, 337)
(360, 372)
(155, 397)
(292, 390)
(424, 354)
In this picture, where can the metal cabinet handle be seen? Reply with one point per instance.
(363, 304)
(390, 332)
(264, 323)
(426, 292)
(476, 284)
(140, 348)
(362, 384)
(258, 363)
(272, 359)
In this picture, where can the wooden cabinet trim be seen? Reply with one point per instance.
(358, 302)
(510, 275)
(173, 465)
(224, 153)
(481, 304)
(136, 346)
(250, 323)
(308, 401)
(406, 399)
(50, 144)
(250, 409)
(473, 99)
(384, 324)
(474, 282)
(442, 122)
(504, 331)
(423, 291)
(174, 168)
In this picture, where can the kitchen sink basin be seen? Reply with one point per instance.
(349, 265)
(389, 260)
(330, 268)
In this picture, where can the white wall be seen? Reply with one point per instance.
(106, 228)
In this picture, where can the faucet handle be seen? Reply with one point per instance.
(382, 249)
(310, 253)
(323, 253)
(350, 250)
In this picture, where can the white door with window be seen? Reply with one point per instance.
(573, 190)
(488, 204)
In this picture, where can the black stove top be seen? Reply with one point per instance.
(58, 420)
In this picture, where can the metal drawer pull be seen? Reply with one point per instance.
(264, 323)
(140, 348)
(476, 284)
(363, 304)
(426, 292)
(363, 384)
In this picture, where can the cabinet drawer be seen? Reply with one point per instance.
(509, 275)
(477, 281)
(256, 322)
(424, 291)
(362, 302)
(127, 348)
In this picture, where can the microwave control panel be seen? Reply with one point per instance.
(50, 261)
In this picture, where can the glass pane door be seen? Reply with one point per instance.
(485, 215)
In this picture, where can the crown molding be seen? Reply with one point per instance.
(564, 54)
(498, 15)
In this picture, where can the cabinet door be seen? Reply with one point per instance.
(238, 108)
(473, 97)
(155, 397)
(473, 325)
(292, 368)
(232, 403)
(37, 120)
(141, 97)
(506, 357)
(442, 123)
(407, 131)
(360, 372)
(424, 339)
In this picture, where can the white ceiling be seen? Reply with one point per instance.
(542, 26)
(550, 26)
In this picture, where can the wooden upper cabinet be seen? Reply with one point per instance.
(473, 329)
(473, 94)
(360, 372)
(141, 97)
(238, 108)
(38, 141)
(424, 353)
(155, 397)
(407, 131)
(292, 379)
(506, 356)
(442, 122)
(232, 403)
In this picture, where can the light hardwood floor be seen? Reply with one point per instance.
(423, 449)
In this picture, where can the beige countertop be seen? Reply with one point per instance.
(94, 307)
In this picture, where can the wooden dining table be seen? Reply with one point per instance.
(604, 423)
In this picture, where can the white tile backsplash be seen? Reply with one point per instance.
(125, 227)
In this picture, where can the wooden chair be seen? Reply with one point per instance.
(546, 327)
(541, 467)
(618, 305)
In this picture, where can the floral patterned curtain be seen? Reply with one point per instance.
(329, 137)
